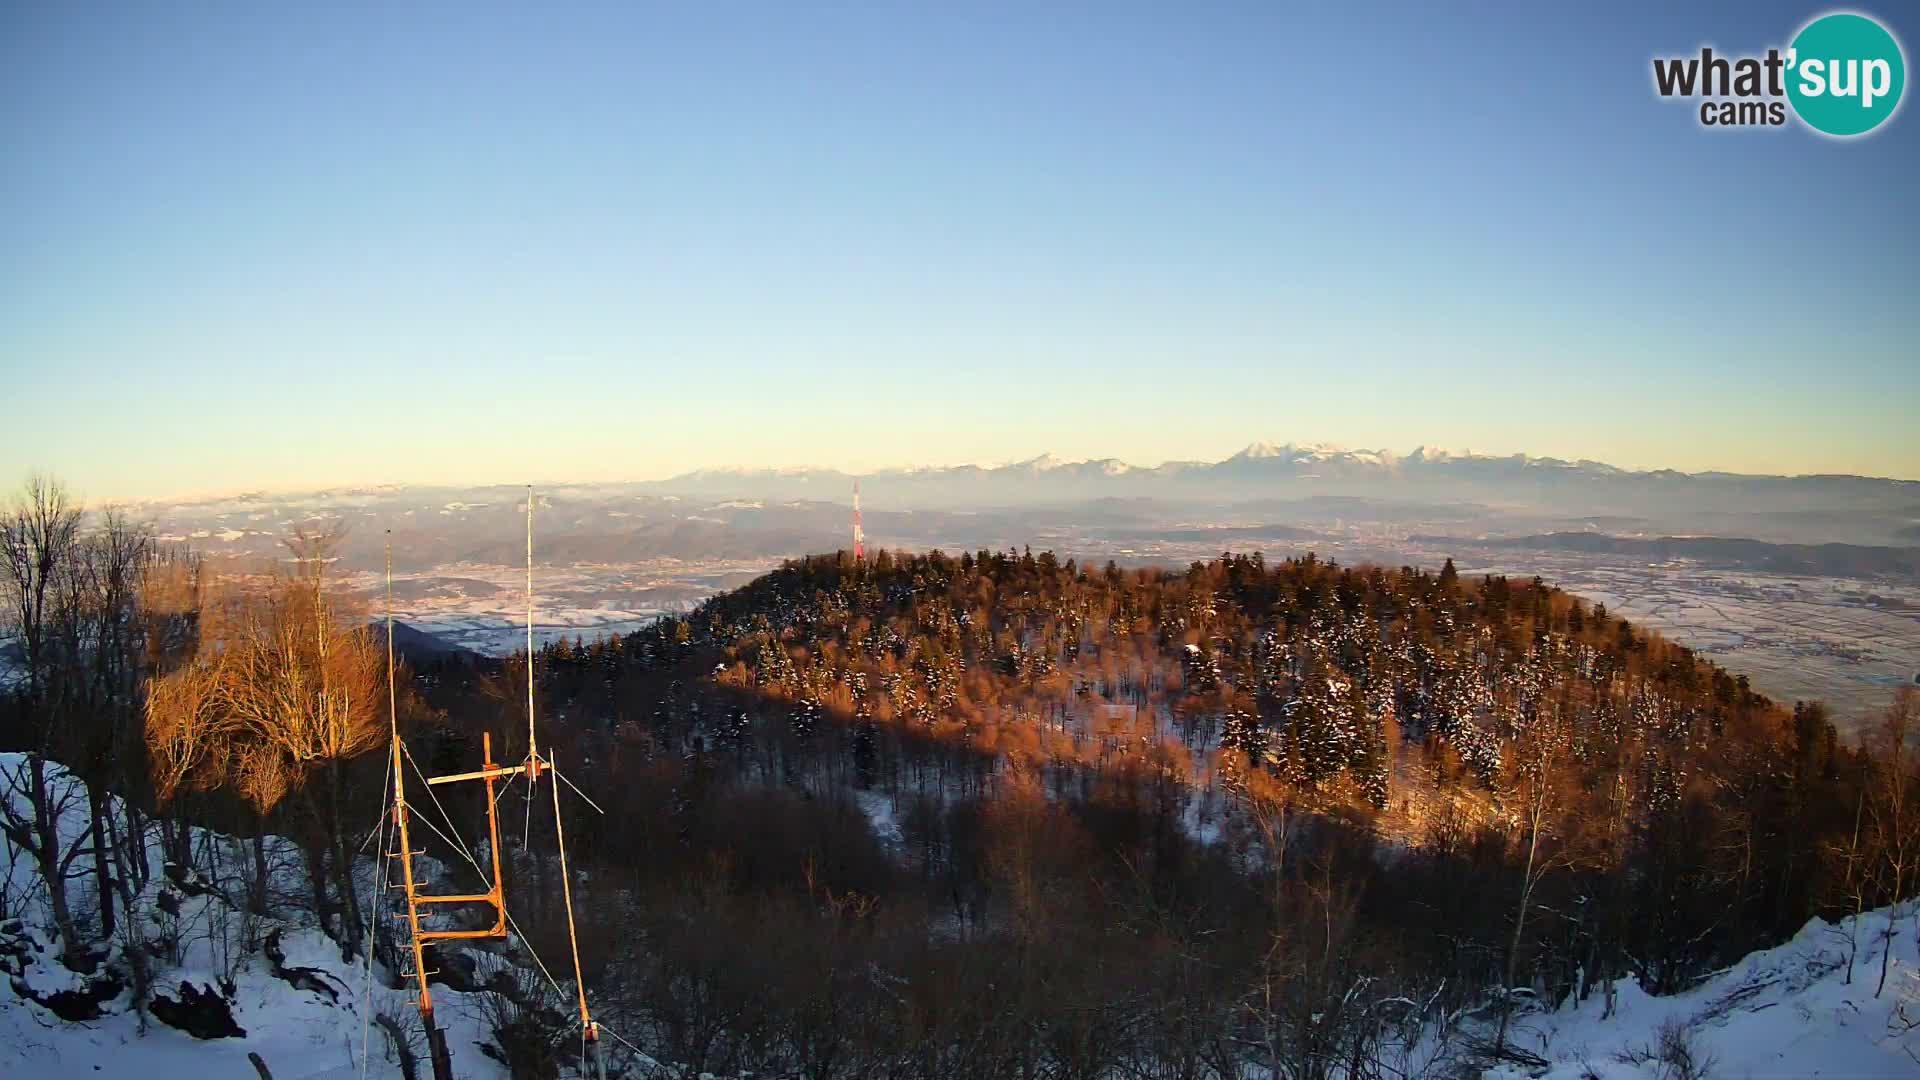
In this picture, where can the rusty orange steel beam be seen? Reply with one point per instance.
(494, 898)
(449, 935)
(483, 774)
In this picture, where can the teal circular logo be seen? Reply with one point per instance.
(1845, 73)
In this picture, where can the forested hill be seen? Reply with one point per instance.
(1315, 672)
(1322, 676)
(1545, 752)
(999, 815)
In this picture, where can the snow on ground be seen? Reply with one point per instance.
(300, 1033)
(881, 810)
(1786, 1012)
(1789, 1011)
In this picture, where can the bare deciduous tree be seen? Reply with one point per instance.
(1895, 819)
(1536, 787)
(187, 730)
(301, 683)
(37, 538)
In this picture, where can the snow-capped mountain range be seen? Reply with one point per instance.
(1270, 470)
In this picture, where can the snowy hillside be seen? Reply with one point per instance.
(1784, 1012)
(244, 984)
(298, 1033)
(227, 985)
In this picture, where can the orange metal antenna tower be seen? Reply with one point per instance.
(494, 897)
(532, 766)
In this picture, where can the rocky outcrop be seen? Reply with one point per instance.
(199, 1010)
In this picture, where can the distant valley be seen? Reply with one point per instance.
(1809, 585)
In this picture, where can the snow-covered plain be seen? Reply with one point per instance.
(482, 607)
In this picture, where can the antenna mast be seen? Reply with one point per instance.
(859, 534)
(533, 749)
(589, 1030)
(494, 897)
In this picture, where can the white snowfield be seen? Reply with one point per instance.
(1785, 1012)
(301, 1034)
(298, 1033)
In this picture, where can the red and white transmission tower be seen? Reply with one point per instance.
(859, 535)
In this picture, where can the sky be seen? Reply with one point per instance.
(273, 246)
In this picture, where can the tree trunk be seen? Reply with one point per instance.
(352, 928)
(102, 878)
(176, 840)
(315, 857)
(402, 1049)
(350, 922)
(1886, 946)
(257, 896)
(1513, 947)
(135, 946)
(136, 851)
(46, 853)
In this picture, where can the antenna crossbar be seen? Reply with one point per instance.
(493, 773)
(467, 898)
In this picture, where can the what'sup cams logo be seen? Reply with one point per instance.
(1843, 75)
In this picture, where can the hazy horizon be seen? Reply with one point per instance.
(554, 480)
(353, 245)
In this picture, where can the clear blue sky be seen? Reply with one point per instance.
(265, 245)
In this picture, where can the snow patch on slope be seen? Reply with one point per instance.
(201, 940)
(1785, 1012)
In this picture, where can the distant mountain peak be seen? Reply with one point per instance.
(1312, 452)
(1257, 469)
